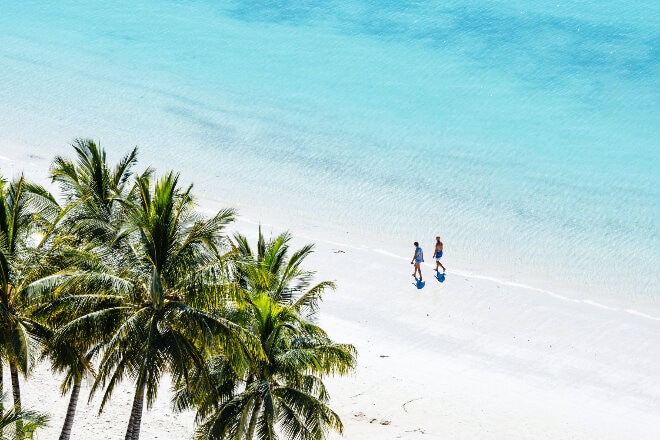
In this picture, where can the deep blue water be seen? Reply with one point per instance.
(525, 134)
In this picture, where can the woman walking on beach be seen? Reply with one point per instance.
(418, 258)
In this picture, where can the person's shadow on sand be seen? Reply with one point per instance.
(419, 283)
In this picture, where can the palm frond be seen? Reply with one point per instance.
(30, 419)
(308, 302)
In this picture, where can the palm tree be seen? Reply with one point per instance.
(171, 266)
(272, 271)
(28, 268)
(28, 419)
(93, 190)
(283, 394)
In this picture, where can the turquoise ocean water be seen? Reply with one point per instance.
(525, 133)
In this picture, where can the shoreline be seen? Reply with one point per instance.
(35, 167)
(473, 357)
(615, 301)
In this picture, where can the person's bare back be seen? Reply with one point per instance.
(437, 254)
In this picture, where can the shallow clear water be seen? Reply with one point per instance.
(526, 135)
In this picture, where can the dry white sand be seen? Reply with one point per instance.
(470, 358)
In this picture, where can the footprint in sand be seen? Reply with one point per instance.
(359, 415)
(382, 422)
(362, 416)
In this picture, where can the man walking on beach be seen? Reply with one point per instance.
(418, 258)
(438, 254)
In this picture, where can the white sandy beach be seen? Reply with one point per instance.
(470, 358)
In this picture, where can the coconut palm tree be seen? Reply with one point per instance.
(94, 188)
(266, 270)
(28, 268)
(283, 393)
(171, 268)
(271, 270)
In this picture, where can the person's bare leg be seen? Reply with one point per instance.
(443, 267)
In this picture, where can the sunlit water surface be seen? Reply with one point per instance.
(525, 133)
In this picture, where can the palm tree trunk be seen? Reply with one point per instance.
(133, 430)
(2, 390)
(254, 418)
(71, 411)
(16, 391)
